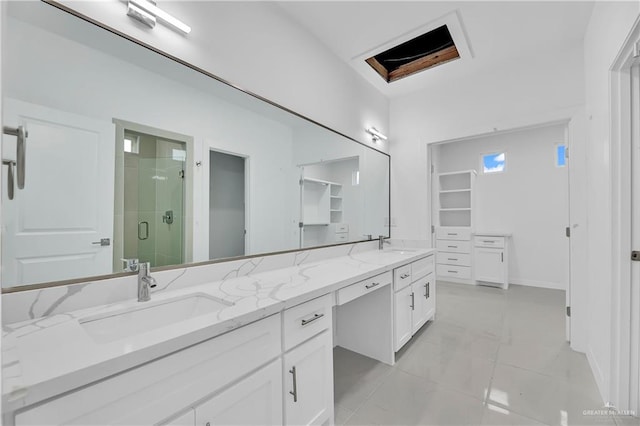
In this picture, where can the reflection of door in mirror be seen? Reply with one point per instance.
(226, 205)
(59, 226)
(330, 200)
(153, 197)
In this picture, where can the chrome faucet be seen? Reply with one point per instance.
(145, 282)
(382, 242)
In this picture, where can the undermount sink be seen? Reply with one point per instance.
(112, 326)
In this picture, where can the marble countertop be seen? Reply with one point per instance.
(492, 234)
(51, 355)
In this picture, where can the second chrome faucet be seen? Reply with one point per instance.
(145, 282)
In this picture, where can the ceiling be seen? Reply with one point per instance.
(495, 32)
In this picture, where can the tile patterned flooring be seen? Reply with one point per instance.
(491, 357)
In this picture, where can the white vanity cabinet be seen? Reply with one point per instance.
(159, 390)
(308, 363)
(414, 299)
(491, 259)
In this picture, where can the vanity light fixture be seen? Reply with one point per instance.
(375, 134)
(147, 12)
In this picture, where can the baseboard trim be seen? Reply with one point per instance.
(597, 374)
(539, 284)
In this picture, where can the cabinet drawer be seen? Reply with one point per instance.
(453, 271)
(342, 237)
(481, 241)
(460, 259)
(358, 289)
(306, 320)
(158, 390)
(401, 277)
(422, 267)
(453, 234)
(341, 227)
(453, 246)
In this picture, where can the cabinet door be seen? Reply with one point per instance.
(308, 382)
(429, 293)
(256, 400)
(402, 324)
(489, 265)
(419, 300)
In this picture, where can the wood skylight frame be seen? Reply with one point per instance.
(422, 52)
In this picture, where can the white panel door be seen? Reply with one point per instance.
(256, 400)
(308, 382)
(49, 228)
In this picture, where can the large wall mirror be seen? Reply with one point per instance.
(131, 155)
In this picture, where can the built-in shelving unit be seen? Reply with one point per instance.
(322, 206)
(455, 226)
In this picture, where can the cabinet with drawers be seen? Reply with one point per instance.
(491, 260)
(455, 226)
(454, 258)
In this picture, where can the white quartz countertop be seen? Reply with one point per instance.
(492, 234)
(51, 355)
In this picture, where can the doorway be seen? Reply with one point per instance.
(227, 207)
(154, 199)
(519, 187)
(153, 219)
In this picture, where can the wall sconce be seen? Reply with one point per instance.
(375, 134)
(147, 12)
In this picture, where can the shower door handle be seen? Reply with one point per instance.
(21, 133)
(143, 226)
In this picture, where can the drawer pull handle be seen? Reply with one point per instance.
(453, 272)
(452, 233)
(413, 301)
(502, 257)
(452, 246)
(488, 241)
(403, 276)
(309, 321)
(372, 285)
(294, 392)
(451, 258)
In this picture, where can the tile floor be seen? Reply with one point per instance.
(491, 357)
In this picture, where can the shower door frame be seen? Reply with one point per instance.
(121, 127)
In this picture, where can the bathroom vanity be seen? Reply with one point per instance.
(252, 349)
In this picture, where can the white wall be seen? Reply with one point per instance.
(530, 199)
(256, 46)
(608, 28)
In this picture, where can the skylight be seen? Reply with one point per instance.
(420, 53)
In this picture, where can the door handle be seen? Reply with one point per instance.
(103, 242)
(143, 225)
(413, 301)
(294, 392)
(21, 133)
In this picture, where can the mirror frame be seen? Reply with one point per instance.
(182, 62)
